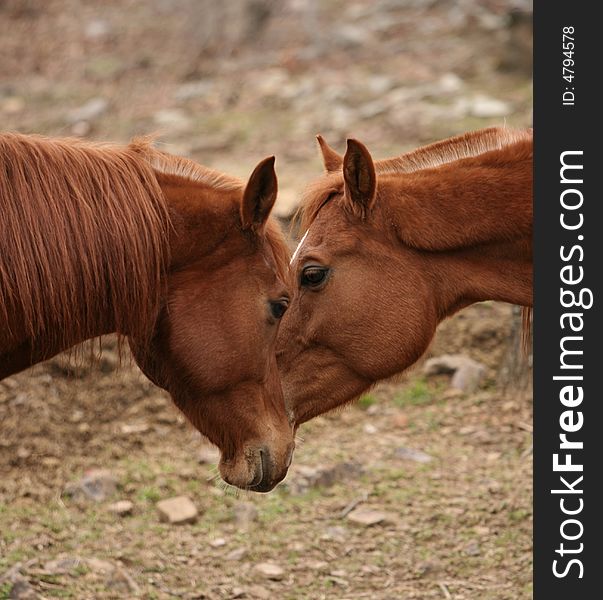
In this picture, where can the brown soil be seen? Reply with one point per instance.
(458, 526)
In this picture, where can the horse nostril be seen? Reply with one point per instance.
(264, 465)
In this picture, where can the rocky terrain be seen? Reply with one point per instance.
(423, 488)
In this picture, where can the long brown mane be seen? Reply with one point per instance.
(82, 225)
(84, 234)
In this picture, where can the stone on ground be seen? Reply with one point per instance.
(96, 484)
(367, 516)
(178, 510)
(269, 571)
(121, 508)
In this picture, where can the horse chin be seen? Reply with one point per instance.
(255, 469)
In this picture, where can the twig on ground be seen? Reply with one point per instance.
(353, 504)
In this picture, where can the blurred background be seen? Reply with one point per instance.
(422, 489)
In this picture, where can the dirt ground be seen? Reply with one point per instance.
(447, 475)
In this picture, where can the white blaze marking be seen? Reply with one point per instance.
(301, 243)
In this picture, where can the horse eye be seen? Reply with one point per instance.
(279, 307)
(313, 276)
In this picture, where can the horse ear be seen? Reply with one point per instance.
(259, 195)
(360, 181)
(332, 160)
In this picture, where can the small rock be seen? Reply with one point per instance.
(172, 117)
(97, 29)
(485, 107)
(212, 142)
(451, 394)
(270, 82)
(178, 510)
(445, 364)
(269, 571)
(467, 373)
(23, 453)
(121, 581)
(400, 420)
(427, 568)
(481, 530)
(367, 517)
(12, 105)
(410, 454)
(350, 36)
(134, 428)
(370, 429)
(373, 409)
(450, 83)
(109, 361)
(315, 565)
(305, 477)
(257, 591)
(194, 89)
(217, 543)
(374, 109)
(81, 129)
(236, 554)
(245, 513)
(341, 117)
(208, 455)
(472, 549)
(97, 485)
(237, 592)
(339, 573)
(379, 84)
(335, 533)
(121, 508)
(96, 565)
(468, 377)
(88, 112)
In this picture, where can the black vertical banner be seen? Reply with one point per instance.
(568, 310)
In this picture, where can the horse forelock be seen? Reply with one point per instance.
(81, 225)
(315, 196)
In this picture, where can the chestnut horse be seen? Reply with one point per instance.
(391, 249)
(182, 261)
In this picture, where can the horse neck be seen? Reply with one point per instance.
(499, 271)
(474, 217)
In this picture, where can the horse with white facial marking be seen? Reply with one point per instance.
(393, 247)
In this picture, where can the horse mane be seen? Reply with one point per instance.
(452, 149)
(82, 225)
(87, 225)
(168, 164)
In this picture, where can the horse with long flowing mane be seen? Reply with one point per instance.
(183, 261)
(393, 247)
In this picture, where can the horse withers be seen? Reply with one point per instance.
(183, 261)
(393, 247)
